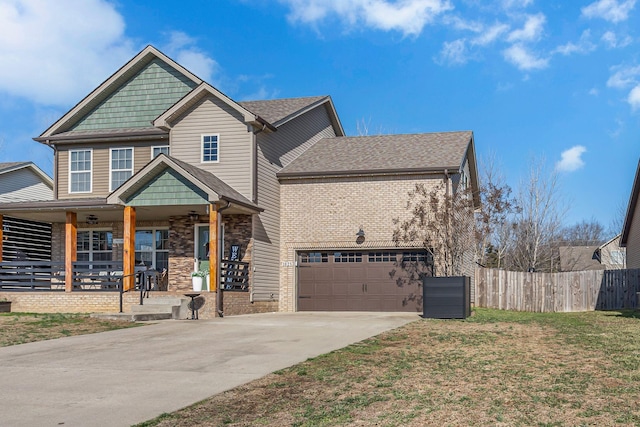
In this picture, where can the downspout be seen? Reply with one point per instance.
(55, 169)
(219, 297)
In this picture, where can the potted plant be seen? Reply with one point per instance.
(197, 278)
(5, 305)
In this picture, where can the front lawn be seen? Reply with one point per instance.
(20, 328)
(496, 368)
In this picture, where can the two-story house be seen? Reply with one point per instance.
(156, 166)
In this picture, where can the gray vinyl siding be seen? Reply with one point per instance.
(633, 240)
(212, 116)
(100, 166)
(276, 150)
(23, 185)
(140, 100)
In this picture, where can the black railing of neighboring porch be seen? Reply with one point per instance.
(234, 276)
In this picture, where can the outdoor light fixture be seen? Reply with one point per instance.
(193, 216)
(92, 219)
(360, 236)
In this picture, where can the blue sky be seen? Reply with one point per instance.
(559, 80)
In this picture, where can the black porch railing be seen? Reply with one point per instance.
(234, 276)
(32, 275)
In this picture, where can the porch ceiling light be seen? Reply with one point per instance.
(193, 216)
(92, 219)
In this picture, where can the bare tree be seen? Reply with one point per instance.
(493, 228)
(441, 222)
(537, 224)
(615, 227)
(584, 233)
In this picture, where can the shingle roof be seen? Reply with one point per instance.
(276, 110)
(381, 153)
(12, 165)
(224, 190)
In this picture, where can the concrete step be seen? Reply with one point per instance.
(132, 317)
(152, 308)
(168, 300)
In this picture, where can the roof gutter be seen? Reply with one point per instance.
(365, 172)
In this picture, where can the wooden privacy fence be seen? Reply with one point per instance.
(557, 292)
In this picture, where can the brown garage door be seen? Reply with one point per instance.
(361, 281)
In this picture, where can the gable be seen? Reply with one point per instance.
(137, 102)
(168, 188)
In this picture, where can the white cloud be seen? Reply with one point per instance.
(571, 159)
(612, 41)
(531, 31)
(609, 10)
(406, 16)
(584, 45)
(624, 77)
(514, 4)
(183, 49)
(634, 98)
(453, 53)
(54, 53)
(491, 34)
(523, 59)
(594, 92)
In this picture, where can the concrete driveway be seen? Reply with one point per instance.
(123, 377)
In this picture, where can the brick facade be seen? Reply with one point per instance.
(328, 212)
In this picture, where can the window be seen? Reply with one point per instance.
(382, 256)
(121, 166)
(164, 149)
(210, 148)
(617, 257)
(80, 171)
(152, 248)
(347, 257)
(313, 257)
(95, 245)
(417, 256)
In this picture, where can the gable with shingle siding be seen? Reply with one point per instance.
(140, 100)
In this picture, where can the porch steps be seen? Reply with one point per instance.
(153, 308)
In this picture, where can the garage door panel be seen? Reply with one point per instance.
(360, 281)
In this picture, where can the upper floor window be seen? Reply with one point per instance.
(121, 166)
(210, 148)
(617, 257)
(80, 171)
(164, 149)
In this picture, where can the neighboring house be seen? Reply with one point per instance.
(579, 258)
(607, 256)
(156, 166)
(20, 238)
(611, 255)
(630, 238)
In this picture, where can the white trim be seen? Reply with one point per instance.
(111, 170)
(90, 150)
(217, 160)
(153, 147)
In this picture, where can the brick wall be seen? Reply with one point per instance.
(327, 213)
(70, 302)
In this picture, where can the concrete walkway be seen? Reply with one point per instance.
(123, 377)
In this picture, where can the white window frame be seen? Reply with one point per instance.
(154, 250)
(217, 135)
(90, 171)
(111, 170)
(91, 252)
(154, 147)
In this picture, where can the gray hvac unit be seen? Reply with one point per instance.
(446, 297)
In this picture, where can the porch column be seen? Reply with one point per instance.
(70, 249)
(214, 275)
(1, 235)
(129, 253)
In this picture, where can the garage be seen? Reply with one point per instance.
(384, 280)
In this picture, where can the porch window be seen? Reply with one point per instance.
(121, 166)
(95, 245)
(80, 171)
(210, 148)
(152, 248)
(160, 149)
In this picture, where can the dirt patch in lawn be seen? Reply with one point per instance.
(18, 328)
(438, 373)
